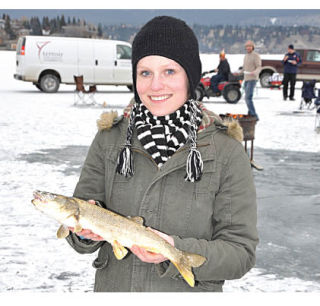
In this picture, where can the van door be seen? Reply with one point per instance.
(103, 62)
(86, 60)
(123, 69)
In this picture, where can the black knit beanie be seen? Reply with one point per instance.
(172, 38)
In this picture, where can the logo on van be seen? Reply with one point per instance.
(40, 46)
(51, 56)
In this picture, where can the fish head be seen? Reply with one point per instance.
(56, 206)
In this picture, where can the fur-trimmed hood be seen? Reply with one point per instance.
(232, 127)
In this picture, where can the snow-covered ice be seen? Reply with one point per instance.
(33, 124)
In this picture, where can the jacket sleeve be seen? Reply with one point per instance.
(258, 64)
(231, 252)
(90, 186)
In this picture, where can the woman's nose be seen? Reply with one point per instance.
(157, 83)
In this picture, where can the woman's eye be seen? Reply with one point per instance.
(144, 73)
(170, 71)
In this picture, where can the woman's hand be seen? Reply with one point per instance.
(86, 233)
(150, 257)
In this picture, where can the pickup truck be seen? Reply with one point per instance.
(308, 70)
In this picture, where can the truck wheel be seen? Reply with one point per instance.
(199, 93)
(231, 94)
(264, 79)
(49, 83)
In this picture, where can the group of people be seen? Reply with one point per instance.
(251, 69)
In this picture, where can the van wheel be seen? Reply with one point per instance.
(49, 83)
(38, 86)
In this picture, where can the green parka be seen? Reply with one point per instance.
(214, 217)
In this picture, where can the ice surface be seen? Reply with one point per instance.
(32, 124)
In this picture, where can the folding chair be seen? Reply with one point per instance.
(81, 94)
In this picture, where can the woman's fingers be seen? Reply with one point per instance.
(87, 234)
(147, 256)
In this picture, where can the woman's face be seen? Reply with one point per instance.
(162, 84)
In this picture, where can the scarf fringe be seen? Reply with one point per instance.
(125, 162)
(194, 166)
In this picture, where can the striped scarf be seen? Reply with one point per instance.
(162, 136)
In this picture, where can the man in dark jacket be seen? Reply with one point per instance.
(222, 70)
(291, 61)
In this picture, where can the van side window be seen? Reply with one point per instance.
(313, 56)
(123, 52)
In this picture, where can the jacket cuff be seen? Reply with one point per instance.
(167, 268)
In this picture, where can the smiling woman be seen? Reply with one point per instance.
(162, 84)
(172, 162)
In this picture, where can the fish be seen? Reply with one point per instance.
(121, 232)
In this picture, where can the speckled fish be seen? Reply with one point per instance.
(118, 230)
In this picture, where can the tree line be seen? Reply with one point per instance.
(49, 25)
(211, 38)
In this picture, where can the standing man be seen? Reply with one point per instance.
(223, 71)
(291, 61)
(251, 69)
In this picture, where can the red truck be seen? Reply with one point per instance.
(308, 70)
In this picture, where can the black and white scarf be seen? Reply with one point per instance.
(162, 136)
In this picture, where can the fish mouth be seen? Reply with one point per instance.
(37, 195)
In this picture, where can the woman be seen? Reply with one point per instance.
(172, 162)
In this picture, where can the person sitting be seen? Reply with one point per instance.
(222, 70)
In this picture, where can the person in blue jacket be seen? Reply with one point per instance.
(291, 61)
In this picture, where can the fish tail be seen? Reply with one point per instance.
(185, 264)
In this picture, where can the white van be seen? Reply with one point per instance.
(48, 61)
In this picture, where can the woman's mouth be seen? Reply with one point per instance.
(160, 99)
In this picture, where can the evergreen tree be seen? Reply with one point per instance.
(8, 29)
(45, 23)
(100, 33)
(62, 21)
(35, 26)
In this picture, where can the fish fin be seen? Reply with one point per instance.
(77, 228)
(62, 232)
(194, 260)
(119, 250)
(136, 219)
(187, 261)
(185, 271)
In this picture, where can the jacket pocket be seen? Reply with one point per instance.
(102, 260)
(206, 183)
(210, 286)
